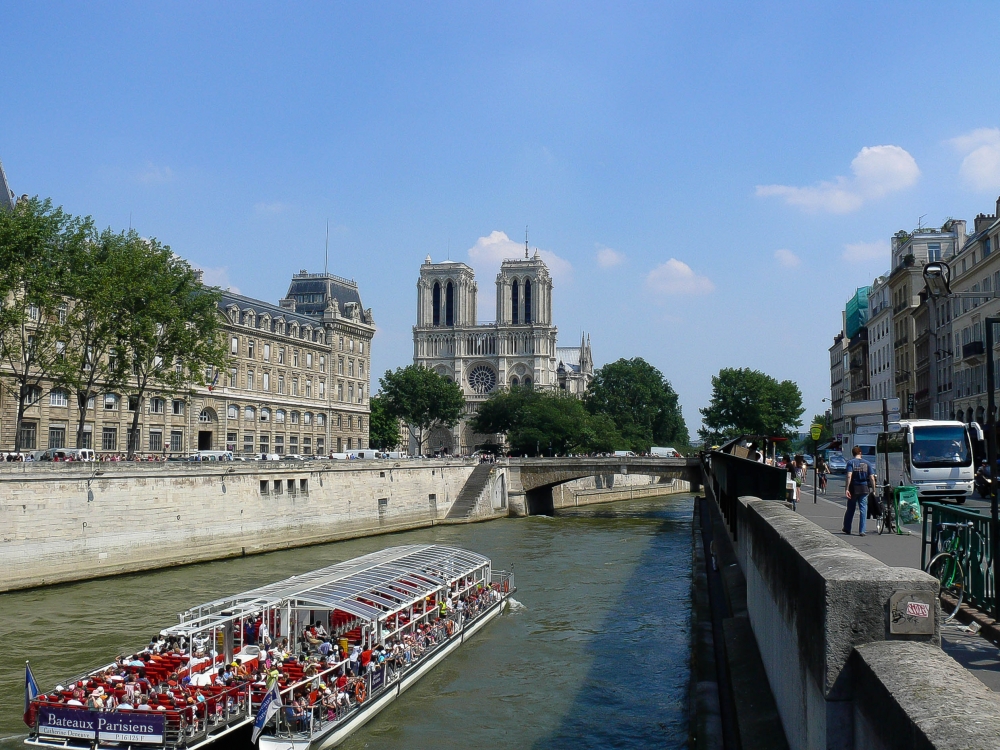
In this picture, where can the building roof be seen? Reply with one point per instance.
(327, 286)
(569, 356)
(264, 308)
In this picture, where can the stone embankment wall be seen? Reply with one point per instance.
(850, 663)
(70, 522)
(606, 488)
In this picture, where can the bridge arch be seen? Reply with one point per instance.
(532, 479)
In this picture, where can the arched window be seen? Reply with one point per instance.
(514, 382)
(279, 416)
(514, 302)
(436, 303)
(449, 305)
(295, 417)
(234, 411)
(265, 414)
(250, 414)
(527, 301)
(526, 382)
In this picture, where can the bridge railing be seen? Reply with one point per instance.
(733, 477)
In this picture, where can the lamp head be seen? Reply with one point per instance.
(937, 279)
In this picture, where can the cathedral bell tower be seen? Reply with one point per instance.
(524, 292)
(446, 295)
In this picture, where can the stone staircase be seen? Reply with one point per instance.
(471, 492)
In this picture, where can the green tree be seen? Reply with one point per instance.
(35, 241)
(93, 324)
(641, 402)
(421, 398)
(538, 422)
(170, 334)
(383, 431)
(746, 401)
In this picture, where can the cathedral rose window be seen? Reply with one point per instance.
(482, 379)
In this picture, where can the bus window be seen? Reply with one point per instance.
(940, 447)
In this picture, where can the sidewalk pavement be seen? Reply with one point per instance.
(973, 652)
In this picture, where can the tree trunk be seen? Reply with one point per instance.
(131, 442)
(82, 397)
(20, 419)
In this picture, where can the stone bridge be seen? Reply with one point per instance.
(530, 480)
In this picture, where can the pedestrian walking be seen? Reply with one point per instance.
(860, 482)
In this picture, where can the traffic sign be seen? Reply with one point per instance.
(875, 429)
(815, 431)
(875, 418)
(853, 408)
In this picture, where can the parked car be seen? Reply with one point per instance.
(837, 463)
(808, 459)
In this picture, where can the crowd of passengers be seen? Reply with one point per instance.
(328, 679)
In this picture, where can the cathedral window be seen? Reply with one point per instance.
(449, 305)
(482, 379)
(527, 301)
(514, 302)
(514, 382)
(436, 303)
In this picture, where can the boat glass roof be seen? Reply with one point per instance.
(355, 586)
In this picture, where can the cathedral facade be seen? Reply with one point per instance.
(518, 349)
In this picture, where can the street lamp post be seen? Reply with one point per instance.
(937, 280)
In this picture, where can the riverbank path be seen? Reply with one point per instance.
(972, 651)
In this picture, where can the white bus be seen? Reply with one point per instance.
(937, 457)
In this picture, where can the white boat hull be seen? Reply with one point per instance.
(341, 730)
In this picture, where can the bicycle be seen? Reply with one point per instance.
(946, 565)
(885, 521)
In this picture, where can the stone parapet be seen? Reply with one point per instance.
(70, 522)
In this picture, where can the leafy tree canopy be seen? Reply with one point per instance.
(540, 422)
(746, 401)
(641, 404)
(422, 399)
(383, 432)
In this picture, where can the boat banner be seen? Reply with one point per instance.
(378, 678)
(109, 727)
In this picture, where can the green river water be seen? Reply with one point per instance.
(593, 654)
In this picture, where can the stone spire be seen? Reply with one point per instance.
(7, 200)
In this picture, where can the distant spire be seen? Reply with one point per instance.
(6, 194)
(326, 256)
(525, 241)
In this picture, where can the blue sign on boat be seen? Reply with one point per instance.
(109, 726)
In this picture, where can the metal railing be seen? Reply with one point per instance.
(973, 552)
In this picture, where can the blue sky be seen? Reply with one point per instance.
(710, 181)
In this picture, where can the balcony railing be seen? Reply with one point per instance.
(902, 377)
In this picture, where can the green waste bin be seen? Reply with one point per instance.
(907, 504)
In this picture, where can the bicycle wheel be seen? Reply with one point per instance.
(880, 521)
(948, 570)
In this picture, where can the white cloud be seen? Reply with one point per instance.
(981, 166)
(154, 175)
(676, 277)
(867, 252)
(787, 258)
(490, 251)
(877, 171)
(218, 277)
(608, 258)
(268, 209)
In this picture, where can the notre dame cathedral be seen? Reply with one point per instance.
(518, 349)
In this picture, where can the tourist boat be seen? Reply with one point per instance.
(369, 604)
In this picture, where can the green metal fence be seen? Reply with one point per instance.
(974, 549)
